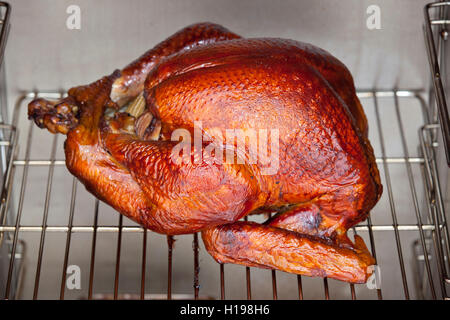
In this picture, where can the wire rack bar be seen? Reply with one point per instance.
(391, 199)
(93, 247)
(8, 174)
(69, 238)
(414, 196)
(196, 266)
(370, 229)
(45, 218)
(19, 214)
(436, 72)
(222, 282)
(132, 229)
(170, 241)
(300, 287)
(4, 28)
(435, 206)
(144, 262)
(119, 247)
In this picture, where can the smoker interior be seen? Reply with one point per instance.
(48, 221)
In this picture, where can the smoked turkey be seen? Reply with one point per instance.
(120, 146)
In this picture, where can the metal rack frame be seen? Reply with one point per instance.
(434, 224)
(7, 142)
(4, 32)
(435, 28)
(436, 33)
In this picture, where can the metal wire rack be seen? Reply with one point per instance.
(436, 34)
(407, 231)
(7, 134)
(48, 223)
(436, 40)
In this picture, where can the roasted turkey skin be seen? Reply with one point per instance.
(326, 179)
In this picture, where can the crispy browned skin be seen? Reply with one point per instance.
(132, 78)
(327, 180)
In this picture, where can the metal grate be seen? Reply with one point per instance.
(436, 40)
(407, 231)
(436, 34)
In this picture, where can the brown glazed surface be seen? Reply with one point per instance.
(327, 180)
